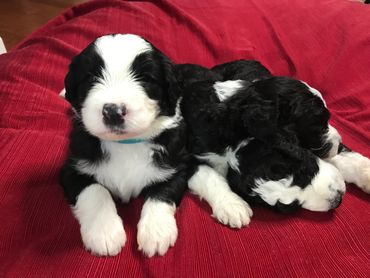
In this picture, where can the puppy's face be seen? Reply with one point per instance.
(121, 87)
(280, 180)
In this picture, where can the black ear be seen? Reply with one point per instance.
(71, 88)
(77, 71)
(171, 85)
(78, 68)
(260, 114)
(83, 70)
(286, 142)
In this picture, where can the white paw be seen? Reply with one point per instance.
(157, 230)
(354, 167)
(104, 236)
(233, 211)
(364, 177)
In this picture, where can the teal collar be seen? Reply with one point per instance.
(132, 141)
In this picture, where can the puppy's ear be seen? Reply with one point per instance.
(171, 85)
(260, 114)
(286, 142)
(83, 70)
(70, 88)
(76, 73)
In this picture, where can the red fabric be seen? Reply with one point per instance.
(323, 42)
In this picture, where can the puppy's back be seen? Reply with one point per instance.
(248, 70)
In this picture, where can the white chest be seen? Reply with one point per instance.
(128, 169)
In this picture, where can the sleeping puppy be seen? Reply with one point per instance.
(266, 137)
(295, 178)
(128, 137)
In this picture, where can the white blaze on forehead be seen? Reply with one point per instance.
(119, 51)
(315, 92)
(118, 85)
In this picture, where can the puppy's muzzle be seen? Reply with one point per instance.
(337, 200)
(113, 114)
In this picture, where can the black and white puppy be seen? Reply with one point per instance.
(128, 137)
(260, 134)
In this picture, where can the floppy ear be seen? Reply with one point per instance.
(260, 114)
(70, 88)
(84, 67)
(286, 142)
(171, 85)
(76, 73)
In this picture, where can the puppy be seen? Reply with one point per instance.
(128, 137)
(266, 138)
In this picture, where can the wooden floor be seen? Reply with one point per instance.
(18, 18)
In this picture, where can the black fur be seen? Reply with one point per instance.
(155, 72)
(249, 70)
(280, 116)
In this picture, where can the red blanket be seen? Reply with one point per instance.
(324, 42)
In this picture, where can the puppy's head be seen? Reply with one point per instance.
(121, 86)
(303, 111)
(313, 124)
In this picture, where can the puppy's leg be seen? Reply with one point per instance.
(227, 207)
(354, 167)
(101, 228)
(157, 229)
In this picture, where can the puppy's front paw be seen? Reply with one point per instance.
(157, 230)
(233, 211)
(364, 179)
(105, 236)
(354, 167)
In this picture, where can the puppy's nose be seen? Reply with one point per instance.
(113, 114)
(337, 200)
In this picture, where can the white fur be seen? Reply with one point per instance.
(316, 196)
(222, 162)
(335, 139)
(118, 86)
(227, 207)
(101, 228)
(63, 93)
(162, 123)
(157, 230)
(111, 49)
(2, 47)
(315, 92)
(128, 170)
(227, 89)
(354, 168)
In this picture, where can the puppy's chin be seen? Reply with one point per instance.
(109, 136)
